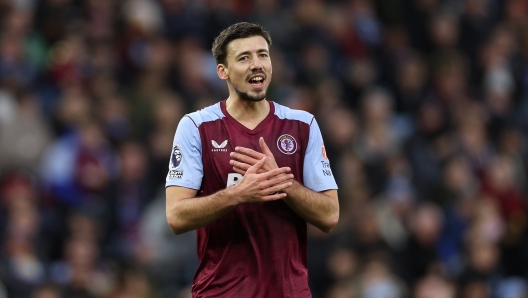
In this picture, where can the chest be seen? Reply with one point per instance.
(286, 139)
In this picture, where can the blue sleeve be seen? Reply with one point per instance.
(185, 164)
(317, 174)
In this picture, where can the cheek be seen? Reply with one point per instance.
(270, 69)
(239, 78)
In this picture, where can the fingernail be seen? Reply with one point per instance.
(236, 148)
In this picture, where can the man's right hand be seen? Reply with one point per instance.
(262, 187)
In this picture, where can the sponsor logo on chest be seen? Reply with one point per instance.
(219, 147)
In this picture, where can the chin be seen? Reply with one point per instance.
(253, 98)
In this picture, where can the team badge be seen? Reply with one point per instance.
(287, 144)
(176, 157)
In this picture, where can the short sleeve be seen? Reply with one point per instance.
(185, 164)
(317, 173)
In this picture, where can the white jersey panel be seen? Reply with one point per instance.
(186, 165)
(317, 174)
(284, 112)
(210, 113)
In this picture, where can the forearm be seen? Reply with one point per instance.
(187, 212)
(319, 209)
(191, 213)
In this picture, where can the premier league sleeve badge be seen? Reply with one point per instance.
(176, 157)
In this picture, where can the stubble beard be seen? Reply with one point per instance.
(248, 97)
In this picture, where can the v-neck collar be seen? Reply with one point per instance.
(257, 128)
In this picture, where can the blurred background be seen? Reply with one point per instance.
(423, 105)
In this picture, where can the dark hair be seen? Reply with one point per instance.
(236, 31)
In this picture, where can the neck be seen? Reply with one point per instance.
(248, 113)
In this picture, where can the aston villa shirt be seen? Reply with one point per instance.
(255, 250)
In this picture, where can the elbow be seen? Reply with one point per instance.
(176, 229)
(330, 224)
(175, 225)
(332, 217)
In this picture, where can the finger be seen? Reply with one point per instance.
(239, 171)
(273, 197)
(277, 180)
(240, 165)
(244, 171)
(254, 168)
(249, 152)
(276, 172)
(264, 147)
(276, 188)
(245, 158)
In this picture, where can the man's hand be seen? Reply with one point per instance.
(262, 186)
(318, 208)
(244, 158)
(187, 212)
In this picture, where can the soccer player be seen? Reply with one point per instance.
(248, 174)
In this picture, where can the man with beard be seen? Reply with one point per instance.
(249, 202)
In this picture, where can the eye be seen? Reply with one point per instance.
(243, 58)
(263, 55)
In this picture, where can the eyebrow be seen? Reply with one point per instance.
(249, 52)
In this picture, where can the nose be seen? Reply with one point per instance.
(256, 63)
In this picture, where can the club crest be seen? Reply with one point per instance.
(287, 144)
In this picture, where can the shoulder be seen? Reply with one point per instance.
(208, 114)
(287, 113)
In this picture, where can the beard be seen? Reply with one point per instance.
(248, 97)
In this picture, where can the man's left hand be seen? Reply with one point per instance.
(243, 158)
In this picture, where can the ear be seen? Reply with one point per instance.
(222, 71)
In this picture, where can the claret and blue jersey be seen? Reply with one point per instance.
(254, 242)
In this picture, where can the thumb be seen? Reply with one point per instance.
(264, 147)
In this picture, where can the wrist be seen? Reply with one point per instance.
(291, 190)
(232, 196)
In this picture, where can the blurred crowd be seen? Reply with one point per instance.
(423, 105)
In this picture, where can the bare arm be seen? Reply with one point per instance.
(186, 212)
(320, 209)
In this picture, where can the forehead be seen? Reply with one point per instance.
(251, 44)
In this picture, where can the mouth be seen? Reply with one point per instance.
(257, 81)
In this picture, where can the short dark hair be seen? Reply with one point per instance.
(236, 31)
